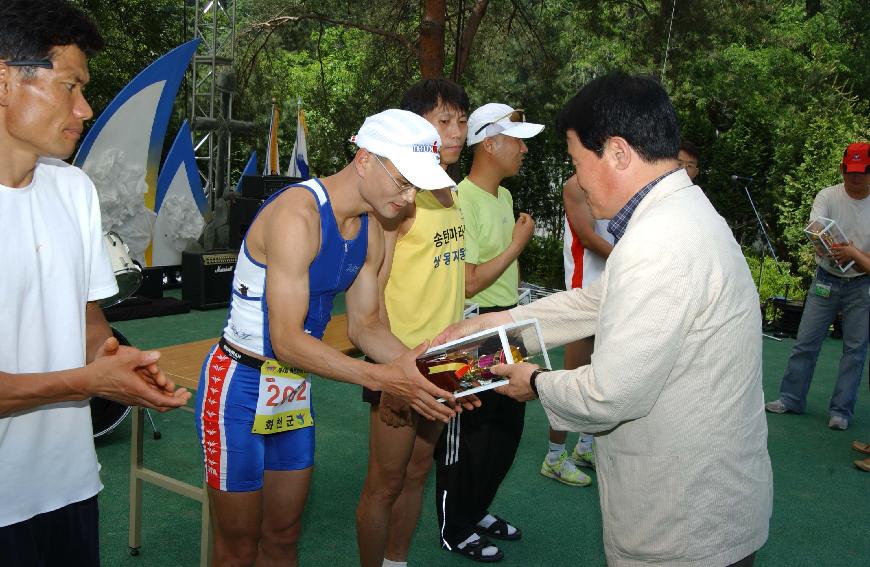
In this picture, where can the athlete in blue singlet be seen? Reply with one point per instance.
(232, 376)
(306, 244)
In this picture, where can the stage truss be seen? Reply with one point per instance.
(212, 88)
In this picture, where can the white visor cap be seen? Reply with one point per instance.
(494, 118)
(410, 142)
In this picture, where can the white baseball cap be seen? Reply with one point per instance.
(494, 118)
(410, 142)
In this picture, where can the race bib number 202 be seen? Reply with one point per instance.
(284, 402)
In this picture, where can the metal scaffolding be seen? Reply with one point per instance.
(212, 87)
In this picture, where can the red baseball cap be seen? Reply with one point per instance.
(856, 158)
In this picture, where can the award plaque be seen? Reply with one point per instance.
(824, 234)
(462, 366)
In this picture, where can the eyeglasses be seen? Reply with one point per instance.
(402, 187)
(41, 63)
(518, 115)
(687, 164)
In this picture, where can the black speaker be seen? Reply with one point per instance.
(152, 283)
(155, 279)
(207, 278)
(242, 212)
(783, 315)
(262, 186)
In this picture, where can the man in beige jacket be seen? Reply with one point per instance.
(673, 392)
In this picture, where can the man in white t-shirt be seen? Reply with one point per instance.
(58, 348)
(834, 290)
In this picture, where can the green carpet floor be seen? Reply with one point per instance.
(821, 516)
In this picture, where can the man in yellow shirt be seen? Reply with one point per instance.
(423, 278)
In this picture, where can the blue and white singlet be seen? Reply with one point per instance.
(333, 270)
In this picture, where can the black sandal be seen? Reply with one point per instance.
(474, 551)
(499, 530)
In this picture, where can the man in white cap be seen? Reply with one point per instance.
(307, 243)
(488, 437)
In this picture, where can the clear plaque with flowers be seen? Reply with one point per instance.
(825, 233)
(462, 366)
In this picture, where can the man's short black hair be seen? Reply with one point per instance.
(633, 107)
(425, 95)
(30, 29)
(690, 148)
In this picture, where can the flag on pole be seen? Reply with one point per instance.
(272, 166)
(250, 169)
(298, 166)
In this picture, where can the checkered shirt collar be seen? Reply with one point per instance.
(619, 222)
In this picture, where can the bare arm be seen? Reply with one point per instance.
(129, 376)
(581, 220)
(392, 230)
(367, 323)
(291, 232)
(478, 277)
(26, 391)
(120, 373)
(290, 237)
(844, 253)
(97, 330)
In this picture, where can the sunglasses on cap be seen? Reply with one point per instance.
(42, 63)
(518, 115)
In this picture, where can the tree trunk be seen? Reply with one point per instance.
(432, 39)
(468, 33)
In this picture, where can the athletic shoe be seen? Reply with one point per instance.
(564, 471)
(776, 406)
(838, 422)
(584, 459)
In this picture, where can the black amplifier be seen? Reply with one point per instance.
(155, 279)
(782, 315)
(207, 278)
(262, 186)
(242, 213)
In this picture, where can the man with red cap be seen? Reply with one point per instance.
(834, 290)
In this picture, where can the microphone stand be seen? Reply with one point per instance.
(766, 245)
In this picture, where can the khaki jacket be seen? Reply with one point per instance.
(673, 393)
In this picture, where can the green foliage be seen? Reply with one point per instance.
(761, 86)
(818, 138)
(541, 262)
(340, 73)
(775, 282)
(136, 32)
(779, 104)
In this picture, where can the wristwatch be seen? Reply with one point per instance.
(534, 377)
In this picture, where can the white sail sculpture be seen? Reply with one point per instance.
(180, 203)
(121, 152)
